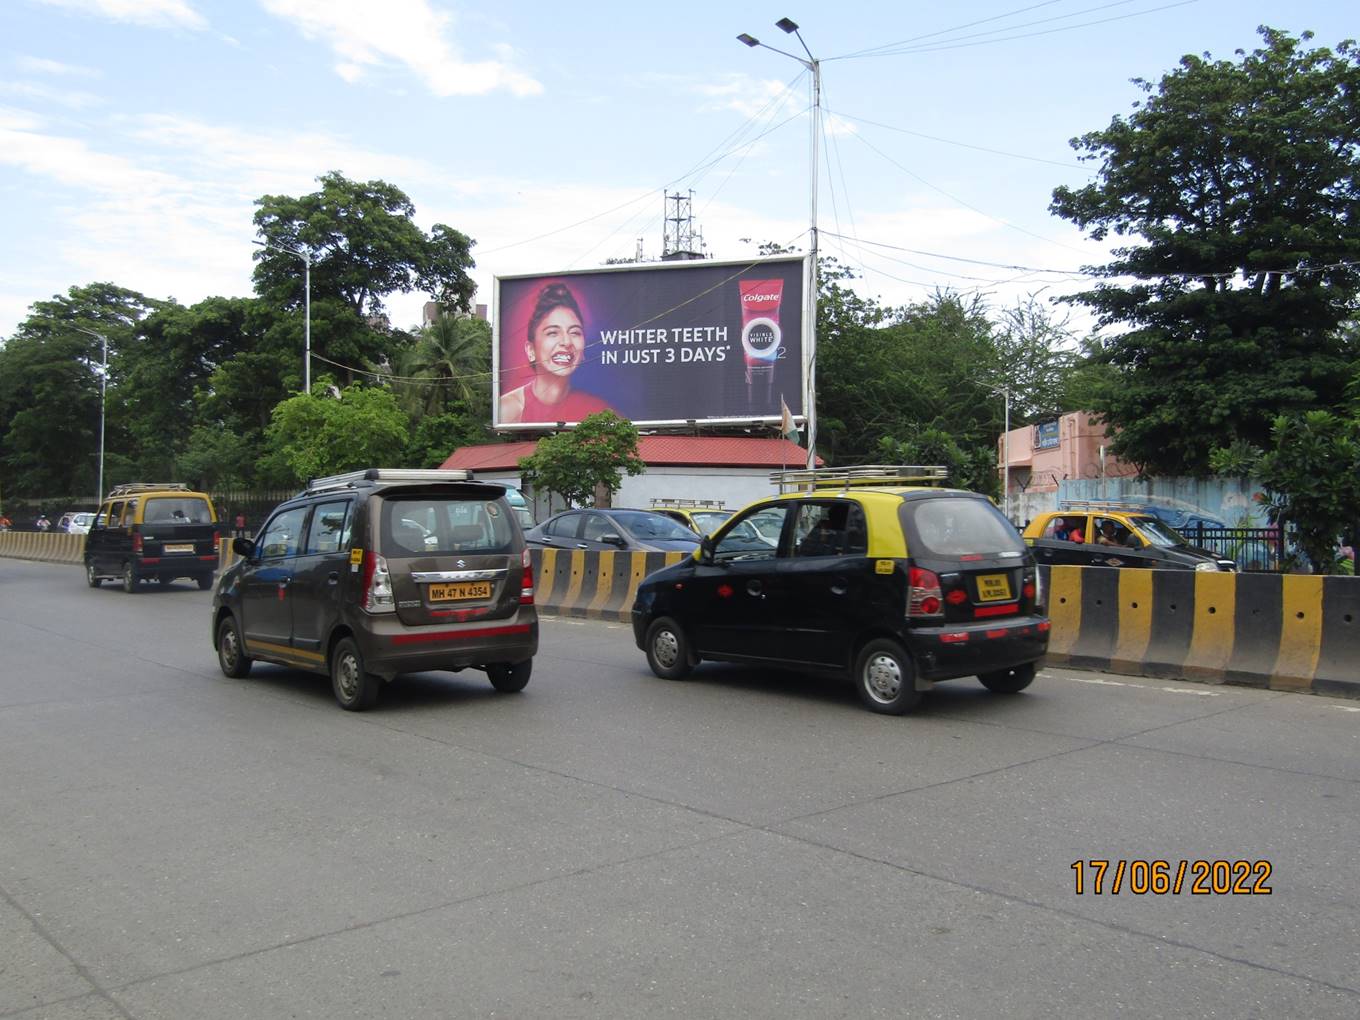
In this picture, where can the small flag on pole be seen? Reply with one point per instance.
(786, 426)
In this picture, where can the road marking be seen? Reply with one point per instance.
(1190, 690)
(1345, 708)
(1100, 682)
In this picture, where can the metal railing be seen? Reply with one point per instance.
(1255, 550)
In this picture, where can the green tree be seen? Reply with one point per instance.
(972, 468)
(314, 434)
(50, 391)
(1242, 180)
(1311, 476)
(597, 452)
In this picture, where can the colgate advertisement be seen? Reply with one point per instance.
(760, 336)
(661, 343)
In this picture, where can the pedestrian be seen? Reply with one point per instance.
(240, 524)
(42, 523)
(5, 522)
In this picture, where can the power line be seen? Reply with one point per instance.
(944, 31)
(963, 145)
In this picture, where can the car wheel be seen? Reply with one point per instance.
(205, 582)
(668, 650)
(355, 688)
(129, 578)
(1009, 681)
(885, 678)
(508, 677)
(91, 578)
(231, 650)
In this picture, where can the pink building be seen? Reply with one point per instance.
(1038, 457)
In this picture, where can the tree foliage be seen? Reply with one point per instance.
(596, 452)
(1241, 179)
(315, 434)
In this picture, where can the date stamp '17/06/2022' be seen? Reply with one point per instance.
(1206, 877)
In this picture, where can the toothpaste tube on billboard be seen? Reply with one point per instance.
(761, 337)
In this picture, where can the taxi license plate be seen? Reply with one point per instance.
(460, 592)
(177, 548)
(993, 587)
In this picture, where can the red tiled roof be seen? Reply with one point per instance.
(656, 451)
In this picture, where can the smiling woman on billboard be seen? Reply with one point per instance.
(555, 348)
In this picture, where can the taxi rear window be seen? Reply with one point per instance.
(177, 510)
(953, 527)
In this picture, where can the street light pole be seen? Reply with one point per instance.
(103, 391)
(815, 68)
(306, 257)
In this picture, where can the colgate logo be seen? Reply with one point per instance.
(761, 299)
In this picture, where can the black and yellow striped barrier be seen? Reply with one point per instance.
(45, 546)
(593, 585)
(1288, 632)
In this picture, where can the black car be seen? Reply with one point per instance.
(896, 587)
(601, 529)
(374, 573)
(152, 531)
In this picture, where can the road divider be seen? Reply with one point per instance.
(593, 585)
(45, 546)
(1285, 632)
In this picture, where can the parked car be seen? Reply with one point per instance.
(148, 531)
(608, 528)
(1095, 535)
(374, 573)
(702, 516)
(897, 586)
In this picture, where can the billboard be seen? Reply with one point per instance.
(1046, 436)
(659, 344)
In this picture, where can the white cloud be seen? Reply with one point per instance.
(69, 98)
(740, 92)
(152, 13)
(41, 65)
(365, 35)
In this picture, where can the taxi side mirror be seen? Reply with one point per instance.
(612, 538)
(706, 549)
(243, 547)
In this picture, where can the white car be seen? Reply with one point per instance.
(79, 524)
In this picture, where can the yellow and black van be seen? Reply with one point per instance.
(152, 531)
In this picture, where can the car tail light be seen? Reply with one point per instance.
(526, 584)
(137, 542)
(377, 585)
(1028, 590)
(957, 597)
(923, 593)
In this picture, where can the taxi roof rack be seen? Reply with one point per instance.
(128, 488)
(1100, 504)
(689, 504)
(351, 478)
(845, 478)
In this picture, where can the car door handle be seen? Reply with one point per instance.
(582, 545)
(839, 588)
(755, 589)
(333, 577)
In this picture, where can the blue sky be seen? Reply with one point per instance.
(135, 134)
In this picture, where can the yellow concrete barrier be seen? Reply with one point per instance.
(45, 546)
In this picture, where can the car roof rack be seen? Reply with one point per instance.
(128, 488)
(689, 504)
(1099, 504)
(352, 478)
(862, 475)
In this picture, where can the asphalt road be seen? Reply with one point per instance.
(176, 844)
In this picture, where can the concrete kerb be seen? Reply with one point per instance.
(43, 546)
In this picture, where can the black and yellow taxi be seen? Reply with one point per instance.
(378, 572)
(152, 531)
(1108, 534)
(701, 516)
(865, 571)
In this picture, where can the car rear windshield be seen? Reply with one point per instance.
(443, 526)
(950, 527)
(177, 510)
(646, 525)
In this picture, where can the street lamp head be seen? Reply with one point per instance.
(749, 40)
(787, 24)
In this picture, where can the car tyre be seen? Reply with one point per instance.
(885, 678)
(509, 677)
(667, 650)
(129, 578)
(91, 578)
(355, 688)
(231, 650)
(1008, 681)
(205, 581)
